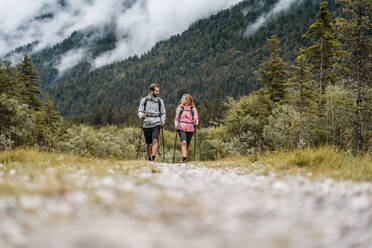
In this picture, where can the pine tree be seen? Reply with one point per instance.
(261, 114)
(48, 123)
(325, 51)
(355, 31)
(272, 73)
(217, 109)
(8, 83)
(51, 114)
(302, 83)
(29, 83)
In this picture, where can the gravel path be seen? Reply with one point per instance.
(191, 206)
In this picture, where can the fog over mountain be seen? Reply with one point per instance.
(138, 24)
(282, 5)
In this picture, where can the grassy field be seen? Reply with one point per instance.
(318, 163)
(31, 171)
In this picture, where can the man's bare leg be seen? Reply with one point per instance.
(148, 150)
(154, 147)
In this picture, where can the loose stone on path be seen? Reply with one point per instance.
(191, 206)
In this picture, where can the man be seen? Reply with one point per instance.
(152, 112)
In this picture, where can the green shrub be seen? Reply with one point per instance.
(212, 149)
(282, 129)
(17, 124)
(107, 142)
(5, 142)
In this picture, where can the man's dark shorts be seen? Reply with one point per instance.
(151, 134)
(185, 136)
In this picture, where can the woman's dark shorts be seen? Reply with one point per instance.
(185, 136)
(151, 134)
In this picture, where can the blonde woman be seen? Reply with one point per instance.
(186, 119)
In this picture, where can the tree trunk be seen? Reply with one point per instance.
(359, 142)
(321, 86)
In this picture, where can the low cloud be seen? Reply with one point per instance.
(138, 24)
(71, 58)
(282, 5)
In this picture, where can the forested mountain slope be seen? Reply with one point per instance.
(214, 56)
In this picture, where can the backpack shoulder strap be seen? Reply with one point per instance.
(145, 103)
(149, 99)
(180, 113)
(159, 102)
(191, 110)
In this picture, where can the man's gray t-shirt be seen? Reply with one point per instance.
(154, 115)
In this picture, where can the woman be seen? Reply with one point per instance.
(186, 119)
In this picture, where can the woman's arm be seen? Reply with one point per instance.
(177, 118)
(196, 117)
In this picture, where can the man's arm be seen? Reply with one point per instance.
(162, 111)
(141, 109)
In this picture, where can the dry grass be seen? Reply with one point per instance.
(320, 163)
(30, 171)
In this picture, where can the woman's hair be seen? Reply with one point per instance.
(189, 101)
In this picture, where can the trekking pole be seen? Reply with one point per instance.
(139, 139)
(195, 142)
(174, 150)
(162, 136)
